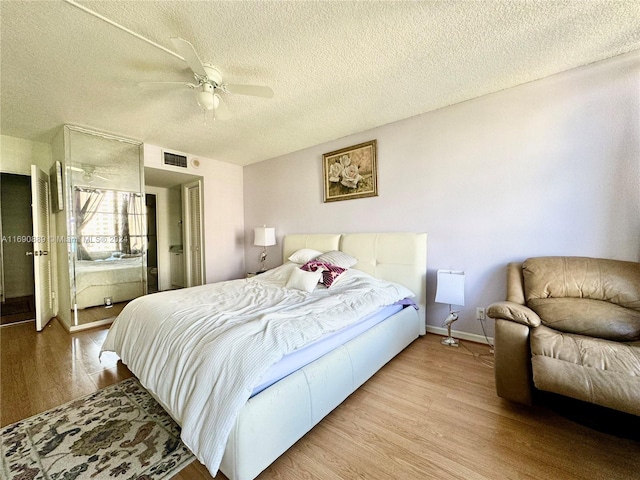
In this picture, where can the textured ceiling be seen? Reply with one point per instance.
(336, 68)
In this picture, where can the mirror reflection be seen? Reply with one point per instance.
(110, 246)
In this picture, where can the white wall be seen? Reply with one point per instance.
(17, 155)
(546, 168)
(223, 213)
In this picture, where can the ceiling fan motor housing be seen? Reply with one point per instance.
(213, 74)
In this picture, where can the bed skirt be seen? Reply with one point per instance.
(259, 435)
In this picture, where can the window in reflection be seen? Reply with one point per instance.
(110, 224)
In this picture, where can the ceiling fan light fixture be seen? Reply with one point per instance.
(206, 100)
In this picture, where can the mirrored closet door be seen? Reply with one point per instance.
(105, 218)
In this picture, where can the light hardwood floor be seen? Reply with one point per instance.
(431, 413)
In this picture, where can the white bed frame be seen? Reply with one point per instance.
(280, 415)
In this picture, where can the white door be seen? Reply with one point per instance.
(1, 261)
(194, 255)
(41, 244)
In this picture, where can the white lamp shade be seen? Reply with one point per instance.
(264, 236)
(450, 287)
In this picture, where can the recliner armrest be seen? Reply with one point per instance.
(514, 312)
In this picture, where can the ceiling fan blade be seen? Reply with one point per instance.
(165, 84)
(253, 90)
(188, 53)
(88, 173)
(222, 112)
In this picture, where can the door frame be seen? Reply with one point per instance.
(26, 201)
(188, 241)
(42, 254)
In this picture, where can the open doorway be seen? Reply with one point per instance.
(17, 283)
(173, 237)
(152, 243)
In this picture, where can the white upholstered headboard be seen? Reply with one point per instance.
(397, 257)
(321, 242)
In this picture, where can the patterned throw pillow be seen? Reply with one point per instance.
(330, 273)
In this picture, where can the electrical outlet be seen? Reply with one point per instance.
(480, 314)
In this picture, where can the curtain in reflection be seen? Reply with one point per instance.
(87, 202)
(132, 225)
(137, 224)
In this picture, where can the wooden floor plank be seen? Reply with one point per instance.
(431, 413)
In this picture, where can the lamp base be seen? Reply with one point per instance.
(263, 259)
(450, 341)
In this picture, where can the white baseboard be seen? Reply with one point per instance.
(87, 326)
(472, 337)
(18, 323)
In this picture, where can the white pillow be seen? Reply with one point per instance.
(304, 255)
(338, 258)
(301, 280)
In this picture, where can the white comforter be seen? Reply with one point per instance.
(201, 350)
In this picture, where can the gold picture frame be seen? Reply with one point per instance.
(350, 172)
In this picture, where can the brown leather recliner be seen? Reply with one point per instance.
(571, 326)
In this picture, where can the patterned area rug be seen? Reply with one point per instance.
(118, 432)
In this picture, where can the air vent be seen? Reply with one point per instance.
(175, 159)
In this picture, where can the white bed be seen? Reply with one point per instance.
(261, 429)
(120, 279)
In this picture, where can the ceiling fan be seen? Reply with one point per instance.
(88, 173)
(209, 82)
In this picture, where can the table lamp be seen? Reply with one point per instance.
(450, 290)
(264, 237)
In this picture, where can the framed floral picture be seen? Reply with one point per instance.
(351, 172)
